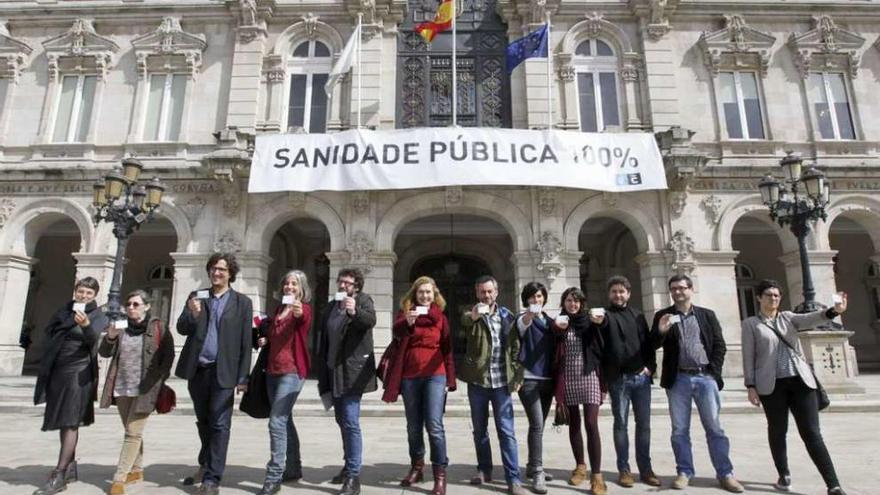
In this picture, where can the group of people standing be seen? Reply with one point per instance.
(577, 358)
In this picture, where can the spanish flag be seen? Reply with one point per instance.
(441, 22)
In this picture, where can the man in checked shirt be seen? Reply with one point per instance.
(493, 373)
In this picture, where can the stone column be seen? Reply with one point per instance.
(253, 278)
(189, 275)
(15, 275)
(822, 270)
(380, 285)
(98, 266)
(716, 281)
(654, 270)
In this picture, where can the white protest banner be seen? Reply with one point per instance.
(442, 156)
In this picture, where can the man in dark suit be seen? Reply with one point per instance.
(693, 355)
(216, 361)
(347, 368)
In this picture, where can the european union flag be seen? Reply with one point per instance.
(531, 45)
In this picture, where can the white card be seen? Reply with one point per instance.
(287, 299)
(120, 324)
(674, 319)
(561, 319)
(535, 308)
(482, 309)
(340, 296)
(421, 310)
(202, 294)
(597, 311)
(836, 299)
(81, 307)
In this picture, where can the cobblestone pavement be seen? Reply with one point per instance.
(27, 455)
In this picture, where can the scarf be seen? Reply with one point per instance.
(138, 328)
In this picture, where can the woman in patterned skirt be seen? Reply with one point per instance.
(578, 383)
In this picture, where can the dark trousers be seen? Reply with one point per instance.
(536, 396)
(213, 407)
(791, 394)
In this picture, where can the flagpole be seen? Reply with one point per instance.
(454, 69)
(549, 79)
(359, 38)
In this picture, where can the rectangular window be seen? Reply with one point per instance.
(164, 107)
(828, 94)
(741, 105)
(307, 88)
(75, 108)
(597, 100)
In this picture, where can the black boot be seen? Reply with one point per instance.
(351, 486)
(53, 485)
(269, 488)
(71, 474)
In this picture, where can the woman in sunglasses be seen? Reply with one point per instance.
(142, 352)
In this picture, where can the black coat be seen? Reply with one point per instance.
(233, 340)
(61, 327)
(354, 371)
(710, 335)
(614, 338)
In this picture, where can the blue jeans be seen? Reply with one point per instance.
(283, 438)
(348, 416)
(636, 389)
(424, 400)
(502, 409)
(703, 390)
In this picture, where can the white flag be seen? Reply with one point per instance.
(343, 65)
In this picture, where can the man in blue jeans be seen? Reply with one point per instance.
(629, 362)
(693, 355)
(492, 372)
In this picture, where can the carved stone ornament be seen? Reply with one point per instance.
(827, 47)
(550, 247)
(227, 243)
(251, 18)
(359, 247)
(682, 247)
(193, 209)
(658, 19)
(610, 198)
(13, 54)
(681, 159)
(169, 49)
(565, 73)
(712, 205)
(677, 202)
(594, 25)
(736, 47)
(453, 195)
(80, 49)
(273, 69)
(296, 200)
(310, 25)
(7, 206)
(547, 200)
(230, 197)
(360, 202)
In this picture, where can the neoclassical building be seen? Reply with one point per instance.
(185, 87)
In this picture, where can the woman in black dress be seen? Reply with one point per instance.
(68, 377)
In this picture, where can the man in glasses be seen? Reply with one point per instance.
(216, 361)
(693, 354)
(347, 368)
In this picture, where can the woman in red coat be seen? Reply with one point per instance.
(422, 371)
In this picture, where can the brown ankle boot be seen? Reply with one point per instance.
(597, 484)
(439, 480)
(415, 473)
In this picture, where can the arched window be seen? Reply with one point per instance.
(745, 290)
(596, 66)
(308, 70)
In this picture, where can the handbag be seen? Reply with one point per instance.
(166, 400)
(387, 360)
(560, 417)
(255, 401)
(821, 395)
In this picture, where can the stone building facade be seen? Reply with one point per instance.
(185, 87)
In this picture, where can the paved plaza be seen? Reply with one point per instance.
(27, 454)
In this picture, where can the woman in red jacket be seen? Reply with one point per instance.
(422, 371)
(286, 371)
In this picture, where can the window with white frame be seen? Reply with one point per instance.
(831, 105)
(745, 291)
(308, 70)
(164, 110)
(75, 104)
(741, 104)
(596, 66)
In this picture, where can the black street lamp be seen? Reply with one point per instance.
(120, 200)
(798, 207)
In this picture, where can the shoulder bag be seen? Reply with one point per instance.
(166, 401)
(821, 395)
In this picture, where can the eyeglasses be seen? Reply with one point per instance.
(345, 282)
(678, 288)
(132, 304)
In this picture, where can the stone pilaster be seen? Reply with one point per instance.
(253, 278)
(380, 285)
(98, 266)
(654, 270)
(822, 270)
(15, 272)
(714, 270)
(189, 275)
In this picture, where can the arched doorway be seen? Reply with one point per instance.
(300, 244)
(51, 281)
(857, 272)
(455, 250)
(759, 249)
(149, 266)
(609, 248)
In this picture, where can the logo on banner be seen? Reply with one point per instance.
(629, 179)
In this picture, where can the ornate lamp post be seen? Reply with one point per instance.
(120, 200)
(798, 200)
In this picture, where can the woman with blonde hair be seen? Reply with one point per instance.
(422, 370)
(286, 370)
